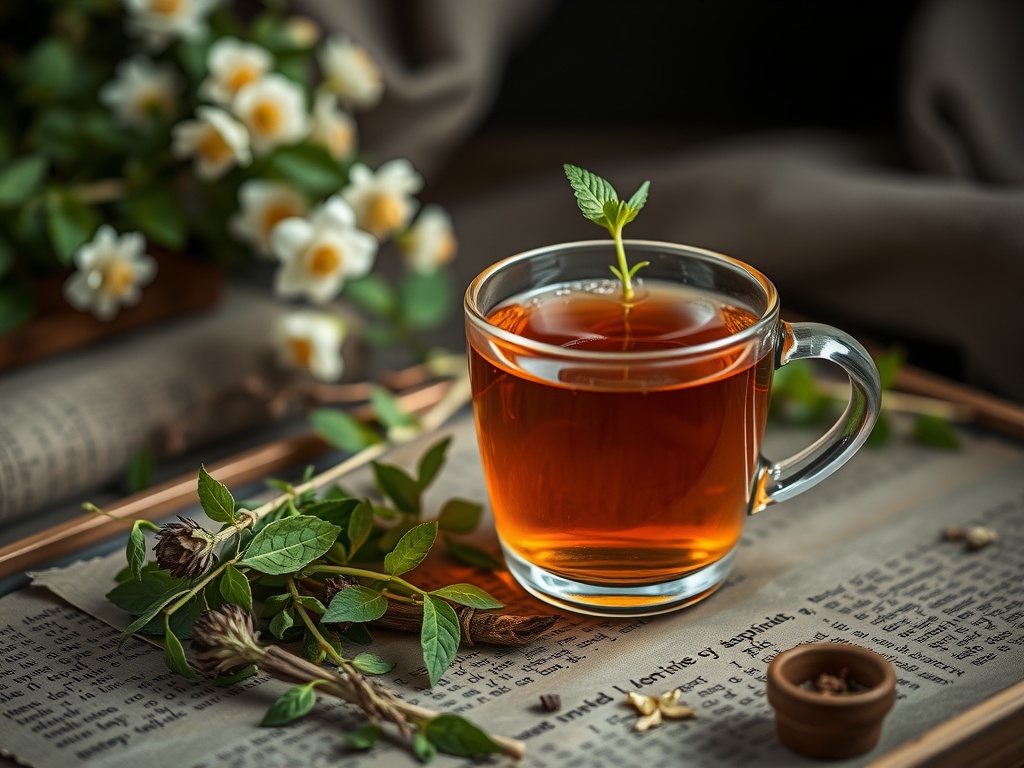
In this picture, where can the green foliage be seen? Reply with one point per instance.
(309, 538)
(296, 703)
(600, 203)
(798, 398)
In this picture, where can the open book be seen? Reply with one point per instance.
(859, 559)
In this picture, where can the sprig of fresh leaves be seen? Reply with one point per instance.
(798, 398)
(600, 203)
(276, 565)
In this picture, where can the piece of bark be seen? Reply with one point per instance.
(477, 628)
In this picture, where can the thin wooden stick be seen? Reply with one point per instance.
(988, 734)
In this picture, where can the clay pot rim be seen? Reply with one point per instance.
(830, 653)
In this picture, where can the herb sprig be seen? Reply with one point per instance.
(600, 203)
(315, 566)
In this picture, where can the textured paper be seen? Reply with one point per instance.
(858, 559)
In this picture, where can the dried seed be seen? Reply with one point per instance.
(551, 702)
(979, 536)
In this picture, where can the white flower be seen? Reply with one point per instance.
(159, 22)
(110, 271)
(272, 109)
(232, 65)
(430, 242)
(333, 128)
(262, 205)
(311, 341)
(351, 73)
(318, 253)
(140, 89)
(384, 201)
(215, 139)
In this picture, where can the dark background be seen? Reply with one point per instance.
(710, 65)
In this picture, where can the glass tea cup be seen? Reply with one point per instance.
(621, 440)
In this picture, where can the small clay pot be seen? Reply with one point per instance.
(830, 726)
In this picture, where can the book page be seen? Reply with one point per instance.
(859, 560)
(69, 425)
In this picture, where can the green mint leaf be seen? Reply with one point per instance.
(592, 193)
(468, 594)
(471, 555)
(223, 681)
(174, 654)
(373, 294)
(881, 433)
(424, 751)
(293, 705)
(282, 622)
(411, 549)
(431, 462)
(363, 739)
(614, 213)
(21, 178)
(459, 516)
(426, 298)
(158, 605)
(389, 411)
(636, 202)
(935, 432)
(234, 588)
(341, 430)
(371, 664)
(274, 604)
(335, 511)
(357, 604)
(455, 735)
(889, 365)
(312, 604)
(615, 271)
(396, 484)
(135, 549)
(69, 223)
(439, 636)
(136, 596)
(289, 544)
(358, 634)
(390, 537)
(215, 498)
(360, 526)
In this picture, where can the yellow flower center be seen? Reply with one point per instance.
(118, 278)
(301, 351)
(165, 7)
(446, 249)
(323, 261)
(266, 118)
(384, 215)
(242, 76)
(213, 148)
(365, 65)
(275, 213)
(340, 141)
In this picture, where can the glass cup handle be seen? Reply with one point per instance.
(778, 481)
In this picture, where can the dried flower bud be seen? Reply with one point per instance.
(331, 588)
(185, 549)
(979, 536)
(551, 702)
(224, 640)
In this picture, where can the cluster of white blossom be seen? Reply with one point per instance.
(248, 111)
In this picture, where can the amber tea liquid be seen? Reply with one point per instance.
(621, 474)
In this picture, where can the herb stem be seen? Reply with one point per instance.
(320, 639)
(346, 570)
(195, 589)
(620, 253)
